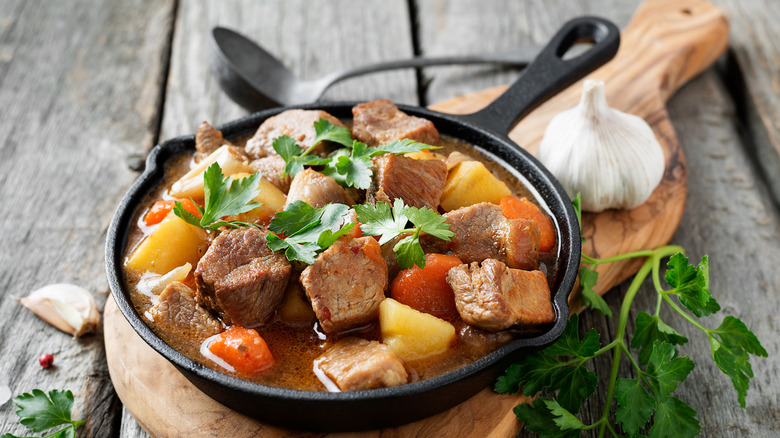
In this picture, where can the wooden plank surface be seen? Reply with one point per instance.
(79, 87)
(753, 71)
(310, 38)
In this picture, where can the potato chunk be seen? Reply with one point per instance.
(172, 244)
(470, 182)
(412, 334)
(272, 200)
(296, 309)
(191, 184)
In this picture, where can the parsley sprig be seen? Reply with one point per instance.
(41, 412)
(391, 223)
(224, 196)
(308, 230)
(351, 165)
(659, 367)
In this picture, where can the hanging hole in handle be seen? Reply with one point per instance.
(687, 11)
(579, 47)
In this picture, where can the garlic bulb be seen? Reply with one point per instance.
(610, 157)
(70, 308)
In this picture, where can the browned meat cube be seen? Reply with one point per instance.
(272, 168)
(355, 364)
(482, 232)
(494, 297)
(176, 311)
(208, 139)
(317, 190)
(418, 182)
(380, 122)
(346, 283)
(298, 124)
(240, 278)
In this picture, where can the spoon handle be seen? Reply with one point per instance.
(521, 56)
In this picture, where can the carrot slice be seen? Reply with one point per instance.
(160, 209)
(427, 289)
(522, 208)
(244, 349)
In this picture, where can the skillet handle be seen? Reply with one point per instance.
(549, 73)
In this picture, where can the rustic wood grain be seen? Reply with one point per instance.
(754, 78)
(466, 26)
(310, 38)
(79, 91)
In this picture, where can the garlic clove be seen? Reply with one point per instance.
(612, 158)
(152, 284)
(67, 307)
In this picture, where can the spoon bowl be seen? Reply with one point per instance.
(257, 80)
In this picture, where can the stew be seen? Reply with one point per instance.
(328, 255)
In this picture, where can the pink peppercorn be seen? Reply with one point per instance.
(46, 360)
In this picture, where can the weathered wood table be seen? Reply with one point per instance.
(88, 87)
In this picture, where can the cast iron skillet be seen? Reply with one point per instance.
(486, 129)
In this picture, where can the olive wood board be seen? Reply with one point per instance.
(666, 44)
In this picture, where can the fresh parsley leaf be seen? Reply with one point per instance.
(674, 418)
(409, 252)
(295, 158)
(404, 146)
(286, 147)
(588, 279)
(224, 196)
(326, 131)
(574, 384)
(563, 418)
(380, 219)
(538, 418)
(355, 168)
(650, 329)
(665, 369)
(541, 370)
(731, 353)
(535, 371)
(308, 230)
(569, 344)
(41, 412)
(691, 284)
(659, 369)
(635, 405)
(429, 222)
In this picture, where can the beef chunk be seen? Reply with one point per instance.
(482, 232)
(298, 124)
(494, 297)
(355, 364)
(418, 182)
(317, 190)
(272, 168)
(207, 140)
(380, 122)
(240, 278)
(176, 311)
(346, 283)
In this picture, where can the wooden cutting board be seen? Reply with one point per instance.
(666, 44)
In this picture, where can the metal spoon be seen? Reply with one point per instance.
(256, 80)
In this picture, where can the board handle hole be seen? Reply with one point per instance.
(578, 48)
(687, 11)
